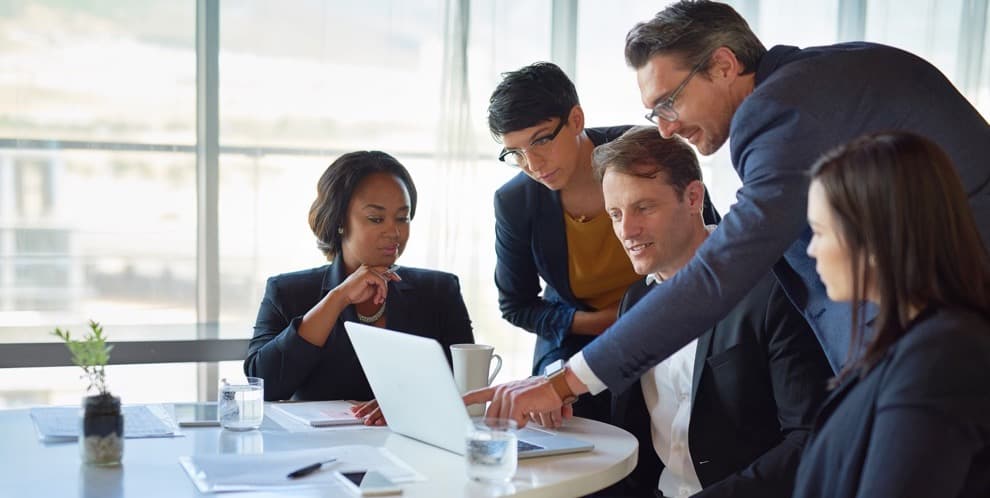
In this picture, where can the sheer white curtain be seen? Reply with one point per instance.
(460, 222)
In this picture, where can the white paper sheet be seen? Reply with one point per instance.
(61, 423)
(268, 471)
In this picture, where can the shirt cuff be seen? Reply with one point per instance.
(585, 375)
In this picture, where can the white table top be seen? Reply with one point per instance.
(151, 469)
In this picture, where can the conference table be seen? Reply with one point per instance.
(150, 468)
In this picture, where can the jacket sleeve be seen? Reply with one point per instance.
(518, 280)
(276, 352)
(772, 150)
(799, 373)
(931, 419)
(456, 324)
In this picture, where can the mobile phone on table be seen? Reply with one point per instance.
(368, 483)
(196, 415)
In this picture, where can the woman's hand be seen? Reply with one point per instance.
(370, 411)
(367, 282)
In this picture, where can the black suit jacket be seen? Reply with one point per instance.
(425, 303)
(916, 425)
(759, 378)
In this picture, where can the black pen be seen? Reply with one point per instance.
(309, 469)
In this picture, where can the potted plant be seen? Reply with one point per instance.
(101, 438)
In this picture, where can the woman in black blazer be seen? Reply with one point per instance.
(365, 201)
(910, 413)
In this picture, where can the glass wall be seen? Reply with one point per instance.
(98, 200)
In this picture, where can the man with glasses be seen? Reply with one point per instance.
(707, 77)
(550, 221)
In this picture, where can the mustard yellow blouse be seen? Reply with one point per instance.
(598, 267)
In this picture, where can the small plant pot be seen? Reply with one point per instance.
(101, 438)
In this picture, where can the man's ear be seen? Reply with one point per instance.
(576, 118)
(694, 195)
(724, 64)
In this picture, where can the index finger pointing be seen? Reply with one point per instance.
(483, 395)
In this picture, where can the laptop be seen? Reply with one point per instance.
(416, 392)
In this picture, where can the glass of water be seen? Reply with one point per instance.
(492, 450)
(242, 403)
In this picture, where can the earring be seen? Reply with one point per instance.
(340, 230)
(872, 260)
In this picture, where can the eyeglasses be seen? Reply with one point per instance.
(665, 109)
(539, 146)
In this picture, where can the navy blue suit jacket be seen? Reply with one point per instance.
(916, 425)
(426, 303)
(759, 378)
(530, 244)
(805, 102)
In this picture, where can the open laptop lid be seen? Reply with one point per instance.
(413, 385)
(416, 391)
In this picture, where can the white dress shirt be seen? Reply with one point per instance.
(667, 392)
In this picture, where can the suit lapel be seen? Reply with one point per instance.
(398, 303)
(551, 243)
(334, 276)
(700, 357)
(833, 399)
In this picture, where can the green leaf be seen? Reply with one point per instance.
(91, 353)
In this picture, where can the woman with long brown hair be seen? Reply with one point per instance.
(909, 414)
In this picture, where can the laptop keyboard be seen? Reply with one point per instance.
(524, 446)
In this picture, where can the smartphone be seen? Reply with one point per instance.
(196, 415)
(368, 483)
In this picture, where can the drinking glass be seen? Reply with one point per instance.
(492, 450)
(242, 403)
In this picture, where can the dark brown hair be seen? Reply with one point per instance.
(691, 30)
(902, 214)
(641, 151)
(333, 193)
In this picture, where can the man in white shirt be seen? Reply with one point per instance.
(727, 415)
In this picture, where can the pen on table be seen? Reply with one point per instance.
(309, 469)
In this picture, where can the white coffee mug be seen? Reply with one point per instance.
(472, 363)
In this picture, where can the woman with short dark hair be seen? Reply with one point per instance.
(364, 205)
(910, 411)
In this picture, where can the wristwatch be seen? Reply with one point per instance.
(554, 373)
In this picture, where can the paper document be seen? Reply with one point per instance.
(269, 471)
(319, 413)
(61, 423)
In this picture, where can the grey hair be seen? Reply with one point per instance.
(692, 30)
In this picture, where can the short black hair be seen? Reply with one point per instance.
(530, 96)
(336, 186)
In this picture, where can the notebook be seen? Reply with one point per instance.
(319, 413)
(416, 392)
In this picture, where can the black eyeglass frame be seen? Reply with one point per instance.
(537, 143)
(665, 109)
